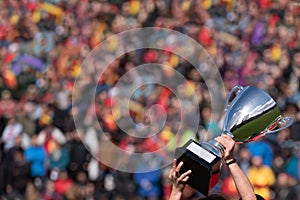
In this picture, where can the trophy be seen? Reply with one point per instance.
(249, 115)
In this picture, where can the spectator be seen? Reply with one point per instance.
(59, 159)
(9, 154)
(3, 178)
(210, 122)
(32, 193)
(107, 186)
(18, 174)
(262, 177)
(50, 135)
(292, 166)
(244, 159)
(286, 187)
(50, 193)
(293, 111)
(11, 131)
(79, 156)
(90, 191)
(149, 183)
(24, 117)
(36, 155)
(263, 149)
(8, 106)
(63, 183)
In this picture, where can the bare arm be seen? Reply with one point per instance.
(241, 181)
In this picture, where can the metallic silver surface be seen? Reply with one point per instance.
(251, 114)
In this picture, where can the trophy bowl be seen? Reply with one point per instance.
(252, 114)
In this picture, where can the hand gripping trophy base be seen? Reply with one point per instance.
(204, 159)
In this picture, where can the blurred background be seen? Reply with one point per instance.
(42, 46)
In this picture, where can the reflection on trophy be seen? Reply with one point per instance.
(250, 115)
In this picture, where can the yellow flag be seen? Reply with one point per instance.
(185, 5)
(134, 7)
(36, 16)
(275, 53)
(206, 4)
(52, 9)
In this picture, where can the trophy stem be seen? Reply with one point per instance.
(220, 147)
(214, 147)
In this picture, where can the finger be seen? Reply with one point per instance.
(174, 174)
(182, 179)
(174, 163)
(229, 141)
(224, 140)
(219, 139)
(224, 143)
(170, 174)
(185, 179)
(228, 138)
(186, 174)
(179, 167)
(172, 171)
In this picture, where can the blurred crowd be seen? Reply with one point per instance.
(42, 45)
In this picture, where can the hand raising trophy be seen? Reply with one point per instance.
(250, 115)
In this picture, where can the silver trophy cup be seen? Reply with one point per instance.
(250, 114)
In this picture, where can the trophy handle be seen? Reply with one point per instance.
(287, 121)
(236, 89)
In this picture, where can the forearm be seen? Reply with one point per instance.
(186, 194)
(242, 182)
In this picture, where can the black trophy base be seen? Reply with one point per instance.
(202, 163)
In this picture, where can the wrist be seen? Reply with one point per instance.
(230, 161)
(228, 158)
(175, 194)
